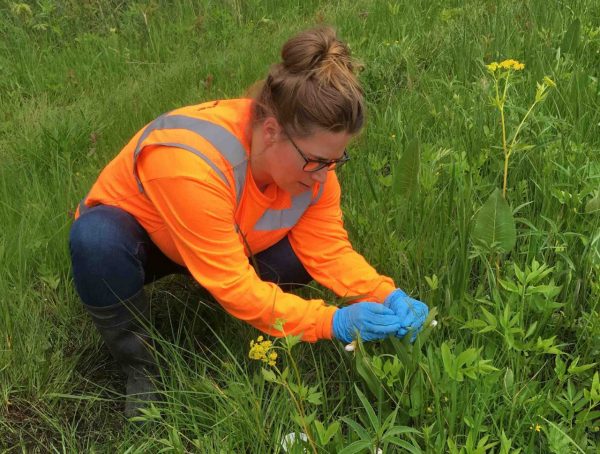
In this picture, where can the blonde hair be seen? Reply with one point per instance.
(314, 87)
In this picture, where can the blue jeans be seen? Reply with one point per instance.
(113, 258)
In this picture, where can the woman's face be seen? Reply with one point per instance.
(285, 158)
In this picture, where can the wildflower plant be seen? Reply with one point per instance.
(502, 73)
(262, 350)
(290, 380)
(494, 232)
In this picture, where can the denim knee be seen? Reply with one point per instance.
(280, 264)
(106, 255)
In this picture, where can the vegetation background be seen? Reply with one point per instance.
(513, 363)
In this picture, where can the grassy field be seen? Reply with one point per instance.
(512, 365)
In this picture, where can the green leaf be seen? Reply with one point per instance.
(356, 447)
(530, 330)
(474, 324)
(406, 176)
(400, 430)
(560, 368)
(593, 204)
(570, 41)
(495, 224)
(450, 363)
(491, 319)
(509, 285)
(369, 410)
(509, 380)
(357, 428)
(416, 397)
(365, 371)
(468, 357)
(268, 375)
(325, 435)
(320, 430)
(278, 325)
(406, 446)
(506, 445)
(558, 441)
(315, 398)
(484, 367)
(291, 341)
(576, 370)
(328, 434)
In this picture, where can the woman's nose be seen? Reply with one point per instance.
(320, 175)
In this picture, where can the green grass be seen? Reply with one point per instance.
(78, 79)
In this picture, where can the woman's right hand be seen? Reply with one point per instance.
(373, 321)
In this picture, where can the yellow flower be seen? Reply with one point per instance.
(511, 64)
(260, 350)
(537, 427)
(493, 66)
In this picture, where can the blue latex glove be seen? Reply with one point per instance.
(372, 321)
(412, 313)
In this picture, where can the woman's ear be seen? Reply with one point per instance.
(271, 131)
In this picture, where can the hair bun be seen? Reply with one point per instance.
(313, 87)
(308, 50)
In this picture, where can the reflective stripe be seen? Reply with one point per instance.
(284, 219)
(224, 141)
(319, 194)
(288, 218)
(232, 150)
(197, 153)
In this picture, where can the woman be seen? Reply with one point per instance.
(242, 194)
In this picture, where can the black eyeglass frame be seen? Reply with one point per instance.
(322, 163)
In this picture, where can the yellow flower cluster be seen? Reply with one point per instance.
(260, 350)
(537, 427)
(506, 64)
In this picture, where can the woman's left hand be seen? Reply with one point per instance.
(412, 313)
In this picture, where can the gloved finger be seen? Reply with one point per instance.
(407, 310)
(368, 335)
(383, 324)
(378, 309)
(417, 313)
(417, 307)
(394, 298)
(419, 320)
(401, 332)
(410, 323)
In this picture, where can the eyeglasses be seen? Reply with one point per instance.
(314, 165)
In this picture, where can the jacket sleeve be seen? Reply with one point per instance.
(321, 243)
(198, 210)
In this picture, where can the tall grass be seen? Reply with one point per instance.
(77, 79)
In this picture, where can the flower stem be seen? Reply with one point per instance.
(298, 403)
(504, 147)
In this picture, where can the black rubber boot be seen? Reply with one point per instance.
(123, 328)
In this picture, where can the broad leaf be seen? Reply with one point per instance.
(356, 447)
(268, 375)
(495, 224)
(406, 176)
(570, 41)
(593, 204)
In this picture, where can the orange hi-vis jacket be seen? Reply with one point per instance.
(186, 178)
